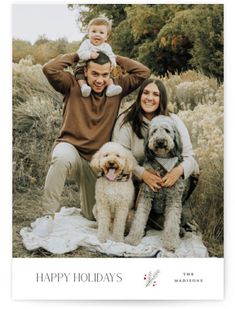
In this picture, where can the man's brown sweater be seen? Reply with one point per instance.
(88, 122)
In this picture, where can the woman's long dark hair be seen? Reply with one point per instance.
(135, 114)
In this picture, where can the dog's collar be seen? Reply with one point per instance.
(167, 163)
(121, 177)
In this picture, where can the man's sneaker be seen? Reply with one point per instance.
(113, 90)
(85, 90)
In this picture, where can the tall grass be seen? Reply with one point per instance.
(37, 110)
(37, 114)
(205, 124)
(198, 100)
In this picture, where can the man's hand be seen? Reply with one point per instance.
(170, 178)
(154, 181)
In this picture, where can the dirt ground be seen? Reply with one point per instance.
(26, 209)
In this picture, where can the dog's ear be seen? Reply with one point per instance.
(95, 161)
(177, 150)
(149, 154)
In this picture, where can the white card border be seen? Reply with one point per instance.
(118, 278)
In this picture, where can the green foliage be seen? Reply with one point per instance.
(168, 38)
(115, 12)
(200, 30)
(207, 51)
(123, 42)
(144, 22)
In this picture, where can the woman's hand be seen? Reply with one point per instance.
(154, 181)
(170, 178)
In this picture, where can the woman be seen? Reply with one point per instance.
(132, 126)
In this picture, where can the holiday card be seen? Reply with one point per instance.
(118, 158)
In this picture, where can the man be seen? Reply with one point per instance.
(87, 123)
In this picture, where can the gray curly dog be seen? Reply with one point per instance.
(163, 149)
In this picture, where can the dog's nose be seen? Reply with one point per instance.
(160, 143)
(111, 163)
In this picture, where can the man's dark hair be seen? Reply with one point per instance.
(101, 59)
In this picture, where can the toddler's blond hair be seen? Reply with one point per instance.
(101, 21)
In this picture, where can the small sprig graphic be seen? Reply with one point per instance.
(150, 278)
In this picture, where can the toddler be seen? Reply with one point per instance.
(99, 30)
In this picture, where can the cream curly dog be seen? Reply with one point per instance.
(162, 152)
(114, 191)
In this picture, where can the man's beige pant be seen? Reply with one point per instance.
(66, 162)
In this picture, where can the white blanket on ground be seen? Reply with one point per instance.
(70, 230)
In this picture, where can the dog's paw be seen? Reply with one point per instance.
(169, 244)
(169, 247)
(134, 241)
